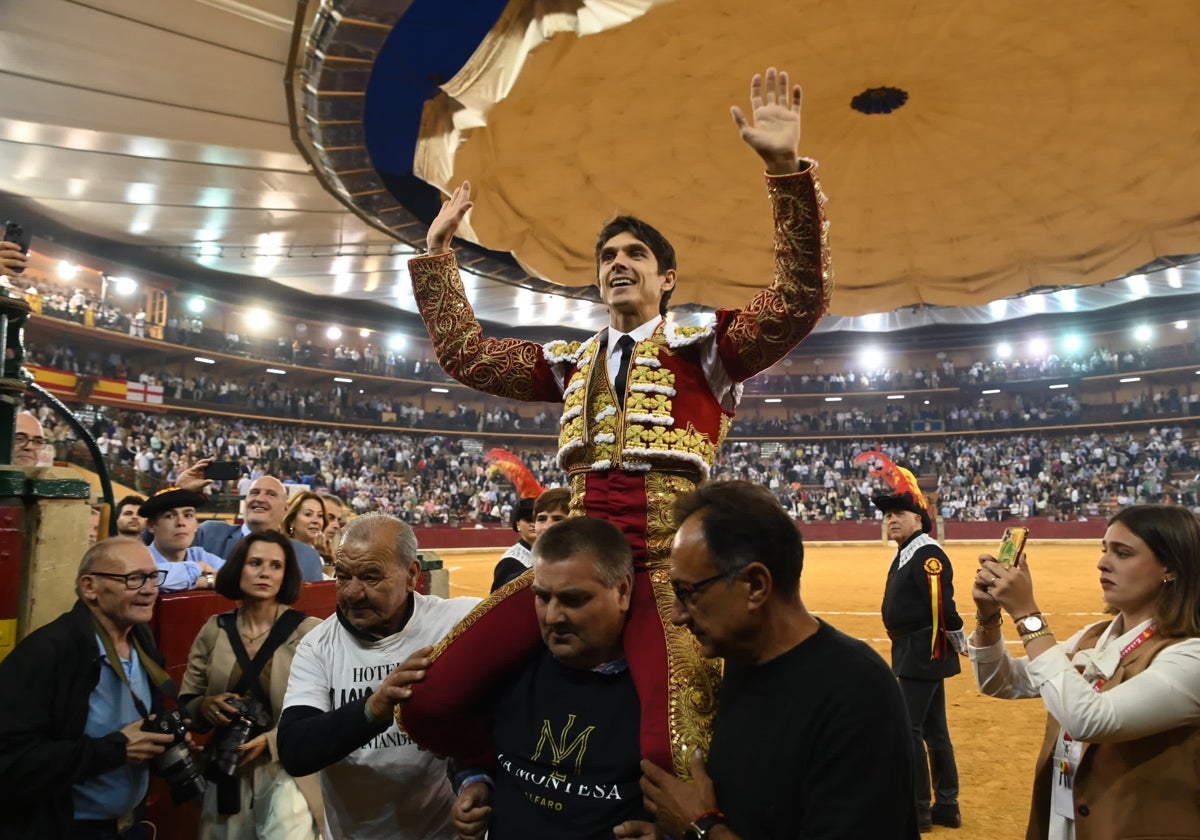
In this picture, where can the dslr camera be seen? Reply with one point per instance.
(175, 763)
(251, 720)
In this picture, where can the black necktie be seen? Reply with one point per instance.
(625, 345)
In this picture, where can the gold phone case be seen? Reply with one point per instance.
(1011, 546)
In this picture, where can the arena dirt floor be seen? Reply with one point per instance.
(995, 741)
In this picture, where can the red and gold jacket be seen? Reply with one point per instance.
(683, 384)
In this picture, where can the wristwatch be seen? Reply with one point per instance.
(211, 579)
(703, 824)
(1032, 627)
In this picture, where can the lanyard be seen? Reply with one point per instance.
(154, 671)
(1125, 651)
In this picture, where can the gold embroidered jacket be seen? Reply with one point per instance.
(683, 385)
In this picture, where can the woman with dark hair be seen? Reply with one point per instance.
(305, 521)
(1122, 738)
(236, 679)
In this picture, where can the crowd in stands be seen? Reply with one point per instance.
(340, 402)
(946, 374)
(443, 479)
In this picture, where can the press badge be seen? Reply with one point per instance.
(1067, 754)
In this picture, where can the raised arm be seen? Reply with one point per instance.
(783, 314)
(501, 367)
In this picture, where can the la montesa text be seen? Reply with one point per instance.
(560, 783)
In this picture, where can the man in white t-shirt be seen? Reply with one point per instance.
(347, 678)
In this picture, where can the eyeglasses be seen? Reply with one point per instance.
(685, 592)
(21, 440)
(135, 580)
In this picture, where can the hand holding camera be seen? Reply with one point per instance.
(142, 744)
(174, 763)
(217, 710)
(226, 750)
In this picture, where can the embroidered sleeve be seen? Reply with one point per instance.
(502, 367)
(781, 315)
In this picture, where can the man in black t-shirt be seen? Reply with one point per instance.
(566, 728)
(810, 738)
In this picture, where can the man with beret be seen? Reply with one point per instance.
(927, 637)
(170, 516)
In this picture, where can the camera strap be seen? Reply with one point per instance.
(157, 674)
(284, 626)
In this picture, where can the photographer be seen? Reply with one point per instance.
(73, 756)
(236, 679)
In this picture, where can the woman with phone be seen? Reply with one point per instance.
(1122, 740)
(236, 678)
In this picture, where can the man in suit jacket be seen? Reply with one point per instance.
(266, 503)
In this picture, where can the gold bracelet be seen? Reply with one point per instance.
(1036, 634)
(986, 621)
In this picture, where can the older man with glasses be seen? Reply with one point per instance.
(73, 698)
(28, 442)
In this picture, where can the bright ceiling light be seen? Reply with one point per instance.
(1143, 333)
(257, 319)
(333, 333)
(396, 343)
(1181, 325)
(67, 271)
(1037, 347)
(772, 400)
(204, 360)
(277, 371)
(123, 285)
(342, 379)
(1003, 350)
(440, 390)
(364, 333)
(872, 358)
(1072, 343)
(196, 305)
(991, 391)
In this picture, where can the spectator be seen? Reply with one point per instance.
(73, 697)
(170, 517)
(29, 442)
(1123, 696)
(305, 522)
(261, 635)
(265, 505)
(838, 763)
(338, 715)
(129, 521)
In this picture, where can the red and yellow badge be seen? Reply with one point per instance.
(933, 566)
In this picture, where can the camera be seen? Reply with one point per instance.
(175, 763)
(222, 749)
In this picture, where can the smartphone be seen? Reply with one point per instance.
(1011, 546)
(14, 232)
(223, 471)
